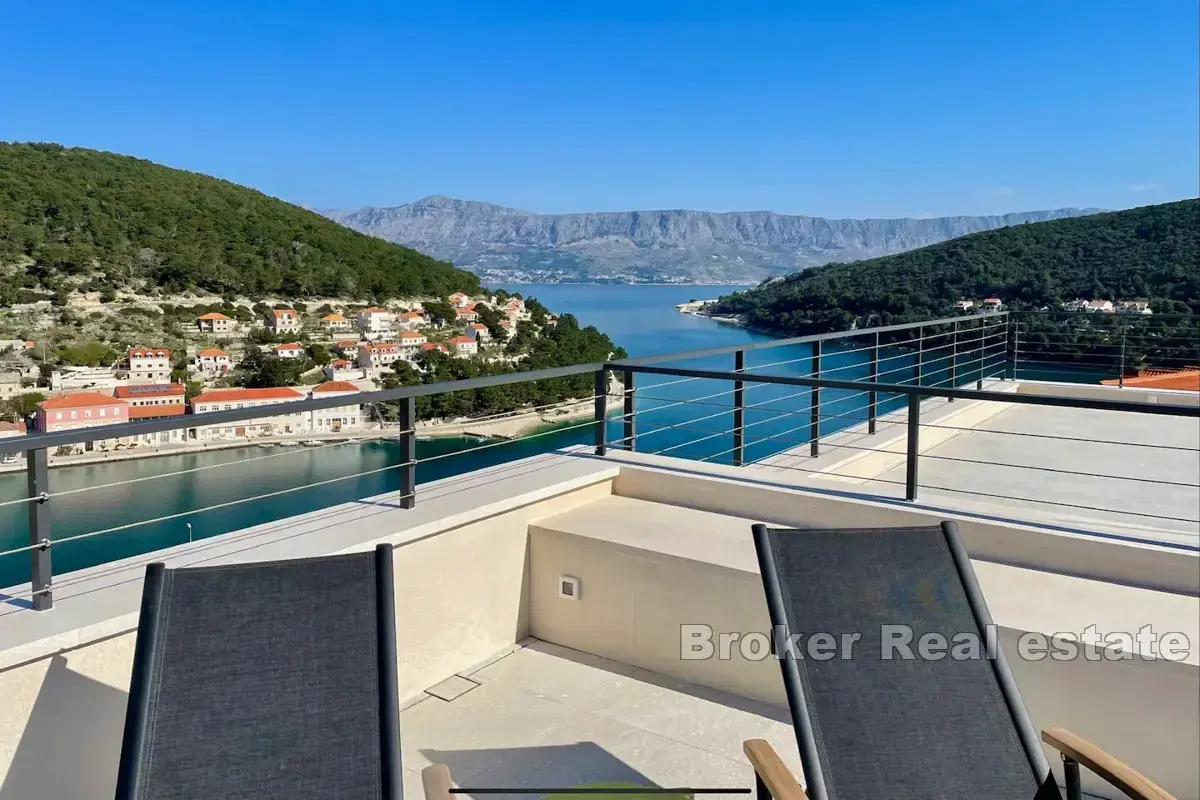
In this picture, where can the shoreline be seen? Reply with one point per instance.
(512, 426)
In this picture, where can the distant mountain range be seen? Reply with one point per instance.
(505, 244)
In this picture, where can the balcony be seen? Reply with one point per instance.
(513, 685)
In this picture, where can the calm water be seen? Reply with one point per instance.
(641, 319)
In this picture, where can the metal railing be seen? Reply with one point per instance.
(845, 379)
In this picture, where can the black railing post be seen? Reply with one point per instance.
(38, 479)
(739, 411)
(873, 377)
(814, 414)
(761, 791)
(629, 435)
(601, 410)
(953, 357)
(1071, 778)
(913, 452)
(408, 452)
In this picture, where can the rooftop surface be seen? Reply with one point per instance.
(548, 716)
(1038, 464)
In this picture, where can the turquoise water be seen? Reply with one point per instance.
(641, 319)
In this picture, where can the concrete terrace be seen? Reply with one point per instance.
(1036, 463)
(513, 685)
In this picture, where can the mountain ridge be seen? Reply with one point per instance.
(662, 245)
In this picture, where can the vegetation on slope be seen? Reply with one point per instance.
(80, 218)
(1150, 253)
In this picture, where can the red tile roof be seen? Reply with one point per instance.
(149, 352)
(339, 362)
(167, 410)
(212, 315)
(432, 346)
(80, 400)
(213, 352)
(289, 346)
(347, 343)
(8, 427)
(234, 395)
(336, 386)
(383, 348)
(1185, 379)
(279, 312)
(462, 340)
(149, 390)
(333, 318)
(411, 335)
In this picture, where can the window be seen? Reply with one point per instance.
(102, 412)
(58, 415)
(74, 415)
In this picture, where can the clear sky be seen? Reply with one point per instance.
(842, 108)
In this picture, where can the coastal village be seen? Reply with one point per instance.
(342, 350)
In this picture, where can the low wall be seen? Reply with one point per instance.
(1132, 564)
(634, 603)
(1127, 394)
(460, 599)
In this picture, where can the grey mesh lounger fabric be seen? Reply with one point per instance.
(269, 681)
(871, 722)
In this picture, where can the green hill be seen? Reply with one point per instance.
(1151, 252)
(77, 218)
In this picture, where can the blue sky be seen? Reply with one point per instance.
(845, 108)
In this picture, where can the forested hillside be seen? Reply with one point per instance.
(77, 218)
(1151, 252)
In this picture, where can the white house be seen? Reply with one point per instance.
(375, 323)
(342, 370)
(964, 305)
(514, 309)
(227, 399)
(10, 385)
(149, 365)
(1134, 307)
(464, 346)
(213, 361)
(283, 320)
(466, 313)
(1099, 306)
(349, 349)
(340, 418)
(215, 322)
(459, 300)
(335, 322)
(478, 331)
(289, 350)
(411, 320)
(75, 378)
(379, 356)
(992, 304)
(410, 342)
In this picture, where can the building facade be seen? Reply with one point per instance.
(226, 399)
(153, 401)
(341, 418)
(213, 361)
(335, 322)
(463, 346)
(289, 350)
(374, 323)
(283, 320)
(149, 365)
(215, 322)
(82, 410)
(379, 356)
